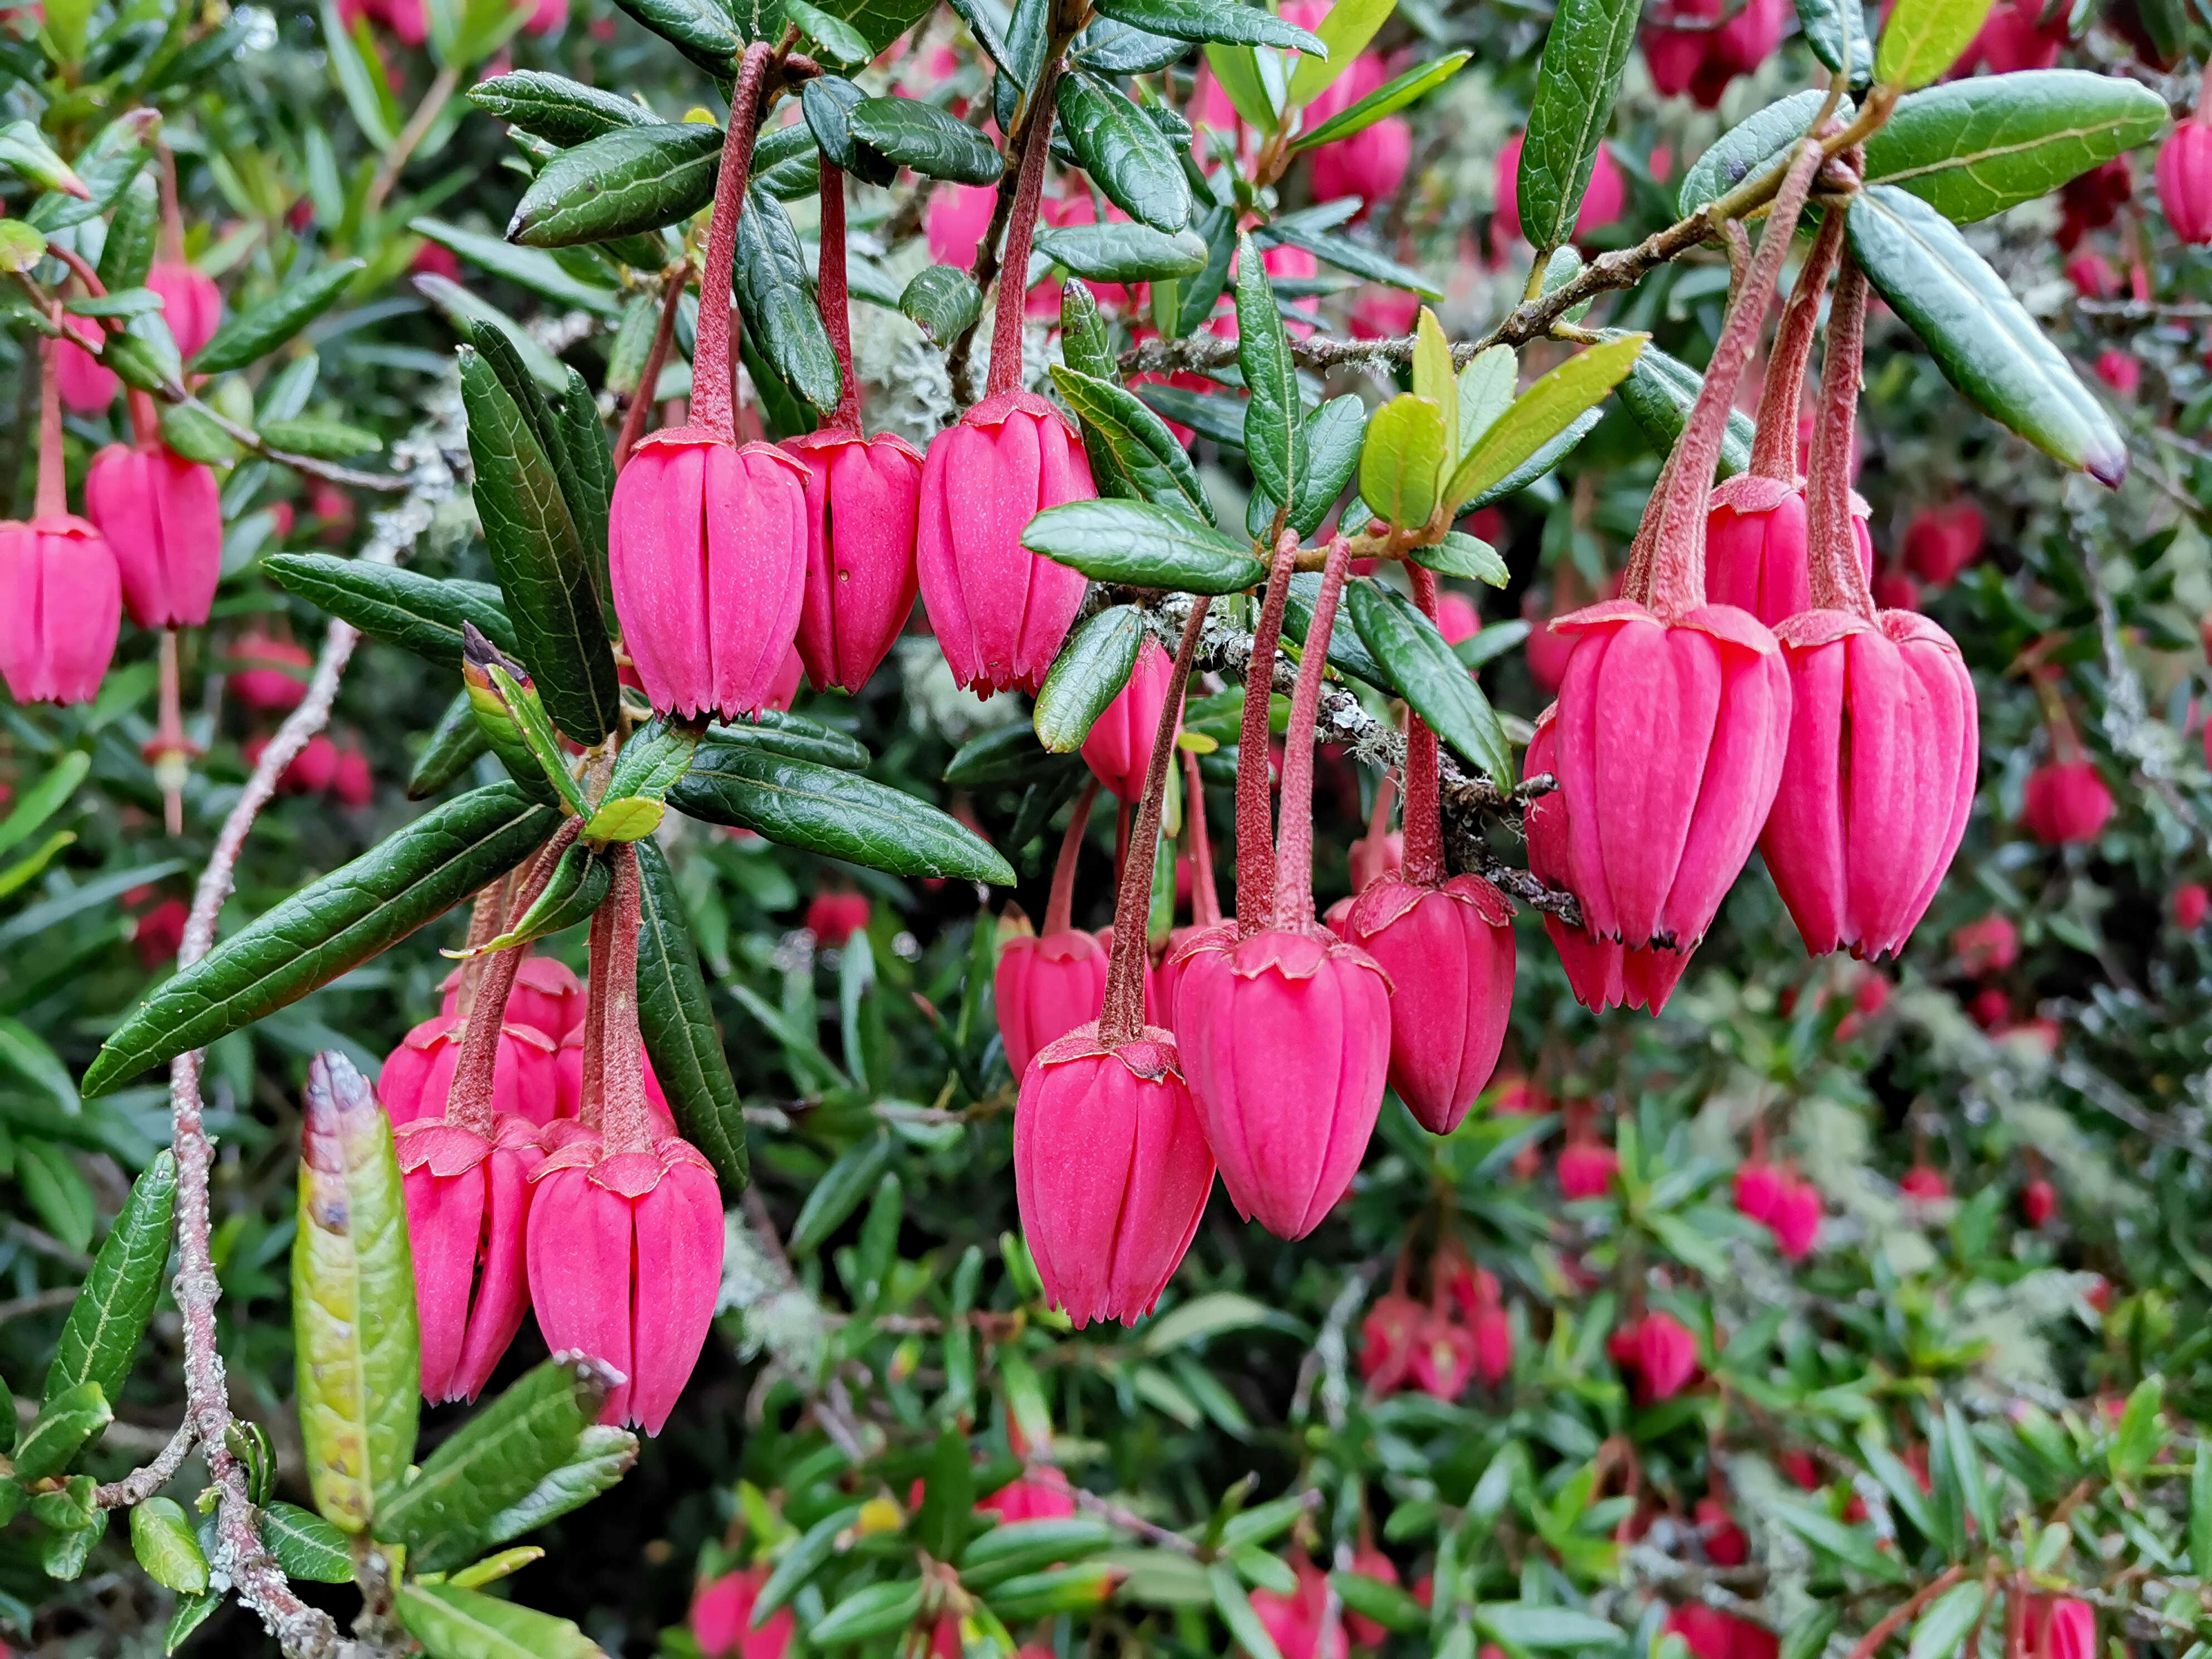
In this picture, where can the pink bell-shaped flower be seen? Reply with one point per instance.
(999, 611)
(1942, 541)
(1587, 1167)
(468, 1205)
(162, 516)
(721, 1619)
(1493, 1344)
(2066, 803)
(626, 1240)
(863, 496)
(1749, 37)
(266, 674)
(1285, 1027)
(61, 599)
(418, 1074)
(1756, 541)
(1675, 54)
(1666, 1355)
(1046, 985)
(1386, 1341)
(547, 994)
(1443, 1357)
(1988, 944)
(1120, 745)
(191, 305)
(1299, 1624)
(1371, 163)
(87, 385)
(1796, 1219)
(1757, 1189)
(2184, 171)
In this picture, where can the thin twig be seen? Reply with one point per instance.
(404, 147)
(1895, 1618)
(142, 1483)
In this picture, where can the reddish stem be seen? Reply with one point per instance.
(1021, 231)
(468, 1096)
(831, 295)
(1122, 1019)
(173, 221)
(592, 1083)
(1838, 581)
(1670, 567)
(145, 425)
(1774, 451)
(712, 406)
(53, 500)
(1256, 839)
(1294, 902)
(1205, 897)
(633, 426)
(487, 915)
(169, 746)
(1425, 830)
(1061, 905)
(626, 1121)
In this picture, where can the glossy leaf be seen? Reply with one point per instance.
(1985, 344)
(65, 1425)
(1128, 157)
(1274, 433)
(785, 733)
(1970, 148)
(319, 439)
(1086, 346)
(358, 1346)
(1836, 32)
(840, 42)
(1924, 38)
(604, 1454)
(402, 607)
(931, 141)
(108, 1320)
(837, 814)
(678, 1022)
(1401, 462)
(1118, 252)
(452, 748)
(777, 296)
(1407, 88)
(306, 1545)
(873, 1610)
(1577, 79)
(622, 184)
(828, 101)
(1347, 654)
(1658, 392)
(1089, 673)
(1345, 30)
(253, 335)
(1196, 295)
(1225, 21)
(557, 109)
(942, 301)
(452, 1623)
(1141, 451)
(1142, 546)
(1430, 676)
(1106, 47)
(162, 1538)
(1752, 146)
(1944, 1623)
(1466, 557)
(1010, 755)
(703, 32)
(328, 927)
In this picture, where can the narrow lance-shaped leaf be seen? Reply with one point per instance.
(108, 1320)
(328, 927)
(633, 180)
(1274, 435)
(1387, 100)
(1430, 676)
(469, 1624)
(359, 1347)
(1541, 413)
(253, 335)
(452, 748)
(1091, 671)
(555, 108)
(1142, 546)
(1144, 460)
(1577, 79)
(678, 1023)
(402, 607)
(65, 1425)
(1225, 21)
(778, 299)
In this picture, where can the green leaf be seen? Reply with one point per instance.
(329, 927)
(191, 1611)
(1141, 451)
(623, 183)
(1466, 557)
(106, 166)
(1141, 545)
(1577, 79)
(1235, 1608)
(1348, 255)
(253, 335)
(828, 101)
(417, 613)
(21, 247)
(942, 301)
(57, 1193)
(1225, 20)
(1129, 158)
(133, 234)
(1973, 148)
(799, 1563)
(778, 298)
(538, 556)
(1237, 70)
(1904, 1489)
(587, 477)
(932, 142)
(28, 1055)
(45, 798)
(1430, 676)
(1120, 252)
(2140, 1437)
(878, 22)
(1334, 436)
(1089, 673)
(318, 440)
(1924, 38)
(533, 268)
(353, 1330)
(451, 750)
(1214, 1314)
(194, 434)
(1106, 47)
(1658, 393)
(1752, 146)
(1019, 1547)
(1385, 1603)
(1274, 430)
(1836, 31)
(1064, 1589)
(1985, 344)
(1401, 462)
(1086, 347)
(1345, 653)
(872, 1611)
(1218, 416)
(65, 1425)
(1942, 1629)
(603, 1456)
(1543, 412)
(841, 42)
(1853, 1546)
(557, 109)
(1346, 30)
(1544, 1628)
(678, 1022)
(1195, 295)
(494, 1460)
(1010, 755)
(703, 31)
(452, 1623)
(1387, 100)
(785, 733)
(108, 1320)
(2200, 1517)
(839, 1193)
(25, 152)
(306, 1545)
(161, 1538)
(795, 803)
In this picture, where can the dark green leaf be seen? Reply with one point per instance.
(1111, 48)
(879, 21)
(702, 31)
(535, 269)
(1387, 100)
(1010, 755)
(1334, 436)
(784, 733)
(1122, 252)
(306, 1545)
(1274, 428)
(322, 440)
(1345, 254)
(926, 138)
(1195, 296)
(358, 1346)
(837, 814)
(1078, 1590)
(417, 613)
(839, 1193)
(50, 1442)
(872, 1611)
(799, 1563)
(1985, 344)
(1020, 1546)
(603, 1456)
(778, 297)
(1385, 1603)
(1431, 679)
(621, 184)
(1225, 21)
(1142, 546)
(108, 1320)
(942, 301)
(1217, 415)
(1853, 1546)
(1579, 77)
(329, 927)
(452, 748)
(1973, 148)
(1085, 346)
(1836, 31)
(253, 335)
(1752, 146)
(840, 42)
(1089, 673)
(132, 235)
(1128, 156)
(1142, 453)
(681, 1037)
(828, 101)
(105, 166)
(538, 556)
(467, 1624)
(1943, 1628)
(555, 108)
(587, 477)
(1345, 653)
(1659, 391)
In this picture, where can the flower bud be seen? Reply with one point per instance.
(1923, 1182)
(1666, 1355)
(1989, 946)
(163, 517)
(707, 556)
(354, 784)
(418, 1074)
(63, 597)
(1725, 1545)
(2039, 1202)
(267, 674)
(191, 305)
(1757, 1189)
(1120, 746)
(468, 1205)
(1111, 1171)
(999, 611)
(2190, 901)
(1386, 1341)
(833, 918)
(1796, 1218)
(547, 994)
(87, 385)
(2065, 803)
(2184, 171)
(1045, 988)
(1942, 541)
(1028, 1500)
(863, 496)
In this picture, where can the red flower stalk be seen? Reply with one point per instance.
(1445, 943)
(1878, 777)
(625, 1253)
(547, 994)
(1045, 987)
(1381, 851)
(1205, 897)
(1000, 611)
(1285, 1028)
(706, 537)
(59, 585)
(1674, 716)
(1111, 1167)
(863, 498)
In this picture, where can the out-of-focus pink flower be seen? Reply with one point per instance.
(722, 1619)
